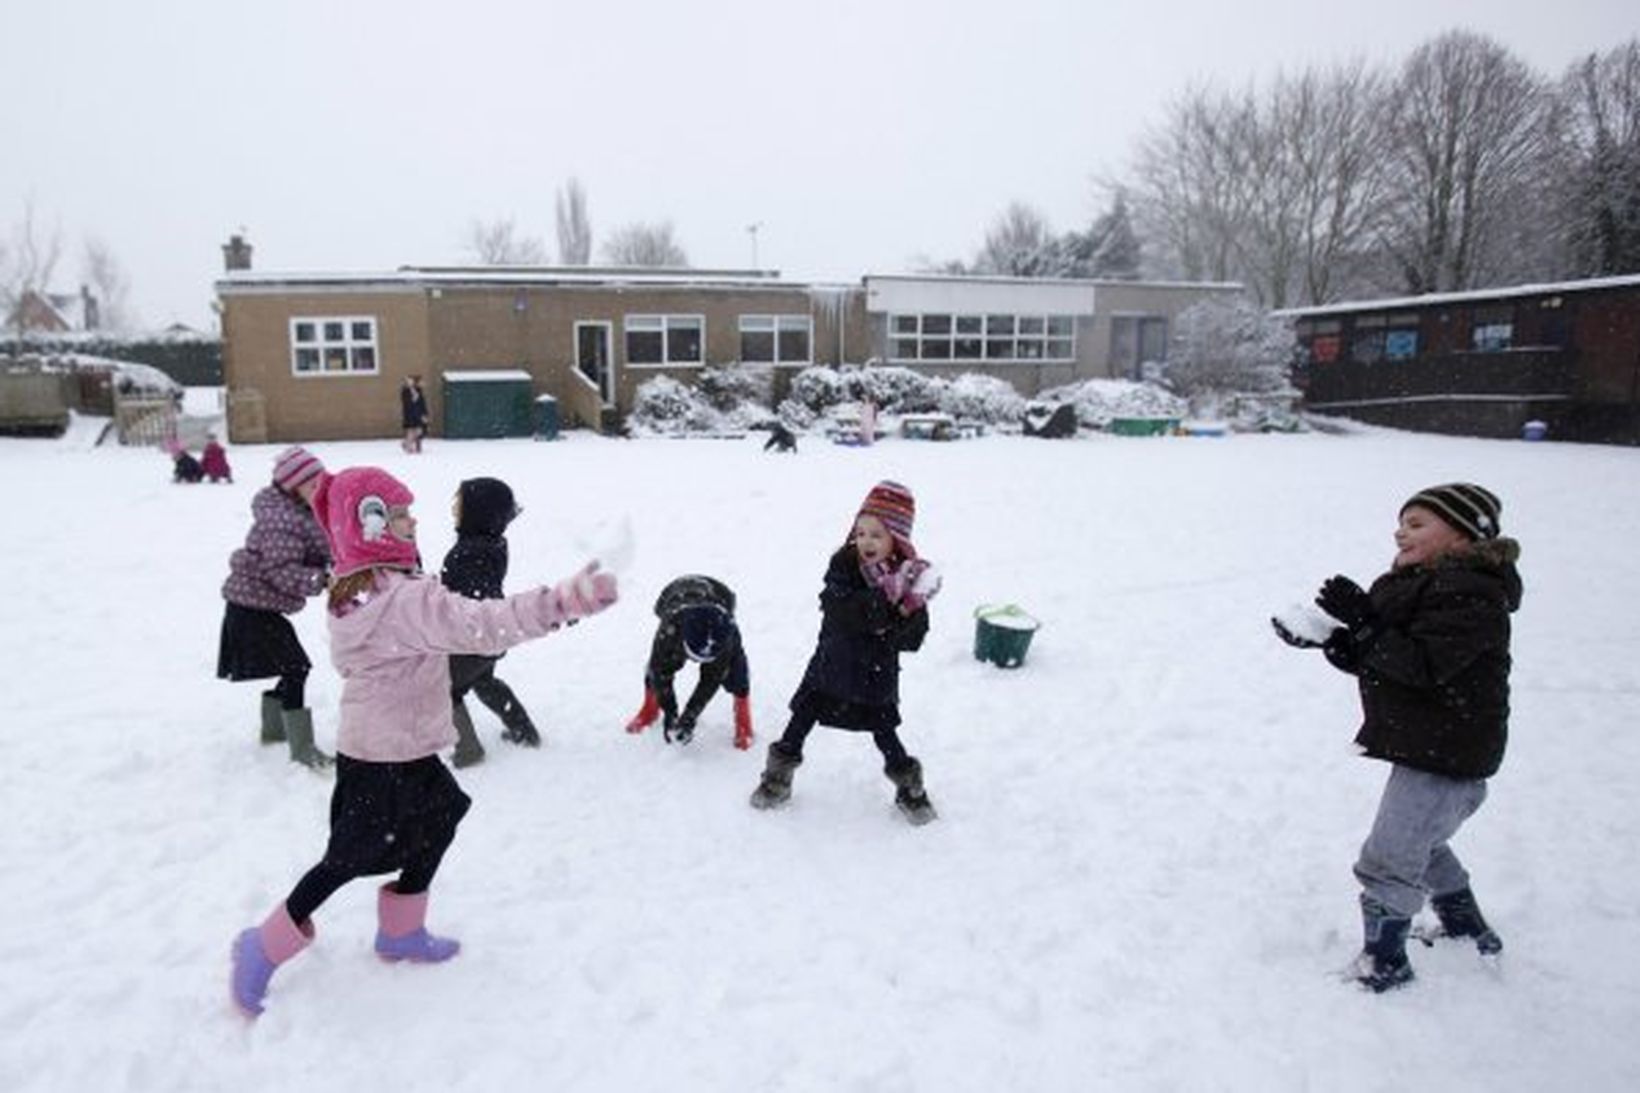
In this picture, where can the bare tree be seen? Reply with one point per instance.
(644, 245)
(497, 243)
(1598, 133)
(102, 271)
(574, 230)
(27, 262)
(1019, 243)
(1467, 137)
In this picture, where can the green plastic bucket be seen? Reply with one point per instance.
(1002, 634)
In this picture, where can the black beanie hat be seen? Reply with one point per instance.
(1469, 508)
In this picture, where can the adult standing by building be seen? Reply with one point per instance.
(413, 412)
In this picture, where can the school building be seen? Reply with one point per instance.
(1481, 363)
(322, 356)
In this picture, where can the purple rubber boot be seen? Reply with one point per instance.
(402, 934)
(258, 951)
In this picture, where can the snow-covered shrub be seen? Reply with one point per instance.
(1222, 347)
(973, 397)
(815, 390)
(726, 389)
(895, 390)
(1099, 401)
(668, 407)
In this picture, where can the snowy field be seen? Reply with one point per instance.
(1140, 880)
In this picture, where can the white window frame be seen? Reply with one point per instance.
(665, 325)
(321, 344)
(992, 337)
(775, 326)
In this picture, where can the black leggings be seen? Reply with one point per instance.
(291, 690)
(325, 880)
(799, 727)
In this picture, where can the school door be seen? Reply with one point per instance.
(592, 358)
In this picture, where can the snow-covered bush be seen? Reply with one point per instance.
(1223, 347)
(974, 397)
(815, 390)
(727, 389)
(1098, 402)
(896, 390)
(667, 407)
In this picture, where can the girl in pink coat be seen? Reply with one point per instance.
(395, 806)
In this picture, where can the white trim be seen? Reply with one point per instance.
(1482, 295)
(665, 319)
(347, 343)
(1345, 404)
(606, 391)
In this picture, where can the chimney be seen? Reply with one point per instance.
(236, 253)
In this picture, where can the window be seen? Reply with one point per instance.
(665, 339)
(333, 345)
(994, 338)
(776, 339)
(1492, 328)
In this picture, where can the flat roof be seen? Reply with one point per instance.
(1437, 299)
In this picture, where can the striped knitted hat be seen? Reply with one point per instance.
(294, 466)
(893, 504)
(1469, 508)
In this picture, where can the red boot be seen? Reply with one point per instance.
(645, 717)
(743, 721)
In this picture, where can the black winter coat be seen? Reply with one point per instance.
(412, 407)
(476, 566)
(667, 654)
(1435, 681)
(853, 678)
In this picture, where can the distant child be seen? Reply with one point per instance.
(476, 567)
(284, 562)
(1430, 646)
(214, 461)
(874, 606)
(781, 439)
(395, 806)
(697, 623)
(184, 467)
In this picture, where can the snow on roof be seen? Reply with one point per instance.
(413, 277)
(490, 375)
(1435, 299)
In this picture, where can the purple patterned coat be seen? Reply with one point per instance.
(284, 559)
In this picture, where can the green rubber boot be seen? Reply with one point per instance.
(469, 752)
(299, 730)
(273, 720)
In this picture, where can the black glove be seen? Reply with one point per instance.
(1344, 600)
(1343, 651)
(679, 730)
(1297, 641)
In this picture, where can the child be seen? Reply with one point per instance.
(697, 616)
(476, 567)
(1430, 646)
(214, 460)
(285, 560)
(184, 467)
(395, 807)
(873, 608)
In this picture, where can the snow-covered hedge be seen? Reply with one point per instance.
(725, 400)
(1098, 402)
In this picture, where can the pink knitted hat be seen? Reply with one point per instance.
(294, 466)
(354, 508)
(893, 504)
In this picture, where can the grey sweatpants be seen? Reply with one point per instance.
(1406, 857)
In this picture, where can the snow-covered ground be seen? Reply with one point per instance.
(1141, 874)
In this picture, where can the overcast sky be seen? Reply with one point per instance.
(862, 136)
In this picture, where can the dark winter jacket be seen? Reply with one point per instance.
(681, 602)
(476, 565)
(1435, 678)
(285, 558)
(856, 663)
(412, 407)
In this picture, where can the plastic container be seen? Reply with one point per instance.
(1002, 634)
(1535, 430)
(546, 418)
(1143, 426)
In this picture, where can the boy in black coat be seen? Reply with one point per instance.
(1429, 645)
(874, 606)
(697, 623)
(476, 567)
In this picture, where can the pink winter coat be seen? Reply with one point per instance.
(393, 651)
